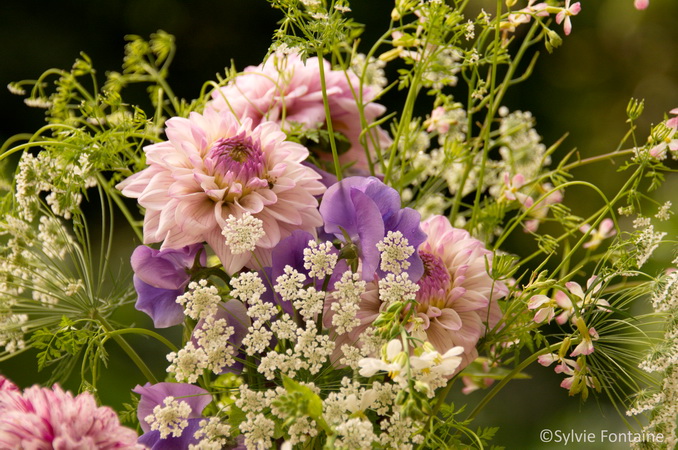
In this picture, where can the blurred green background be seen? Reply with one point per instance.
(614, 53)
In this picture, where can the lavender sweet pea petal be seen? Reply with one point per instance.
(290, 252)
(153, 395)
(151, 439)
(370, 230)
(165, 269)
(160, 304)
(386, 198)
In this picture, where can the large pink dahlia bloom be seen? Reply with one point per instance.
(42, 418)
(211, 168)
(457, 298)
(288, 91)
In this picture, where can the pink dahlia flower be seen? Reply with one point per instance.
(42, 418)
(211, 168)
(457, 298)
(287, 90)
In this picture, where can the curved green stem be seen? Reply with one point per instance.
(133, 355)
(497, 387)
(150, 333)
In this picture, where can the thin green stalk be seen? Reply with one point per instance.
(328, 118)
(133, 355)
(150, 333)
(498, 387)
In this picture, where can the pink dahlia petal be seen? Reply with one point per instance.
(43, 418)
(213, 167)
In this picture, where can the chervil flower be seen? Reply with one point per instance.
(288, 91)
(565, 13)
(43, 418)
(179, 424)
(212, 168)
(160, 277)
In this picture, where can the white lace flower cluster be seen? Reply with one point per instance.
(210, 347)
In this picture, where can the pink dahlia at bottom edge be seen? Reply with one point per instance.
(213, 167)
(288, 91)
(457, 298)
(43, 418)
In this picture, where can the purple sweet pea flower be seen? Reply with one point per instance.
(367, 209)
(160, 276)
(154, 395)
(290, 252)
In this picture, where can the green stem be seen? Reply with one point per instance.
(133, 355)
(495, 390)
(150, 333)
(328, 117)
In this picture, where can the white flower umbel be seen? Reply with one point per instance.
(12, 330)
(251, 401)
(247, 286)
(213, 434)
(347, 292)
(395, 249)
(309, 303)
(313, 347)
(260, 310)
(200, 301)
(355, 434)
(646, 242)
(319, 260)
(258, 431)
(397, 288)
(301, 430)
(400, 432)
(243, 233)
(188, 363)
(284, 328)
(169, 419)
(258, 338)
(289, 283)
(213, 337)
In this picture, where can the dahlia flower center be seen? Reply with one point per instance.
(237, 157)
(436, 279)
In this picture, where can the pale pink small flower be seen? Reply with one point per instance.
(437, 121)
(512, 189)
(565, 14)
(673, 121)
(605, 230)
(585, 347)
(43, 418)
(544, 306)
(584, 299)
(211, 168)
(540, 208)
(641, 4)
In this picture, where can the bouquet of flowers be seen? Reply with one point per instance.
(335, 269)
